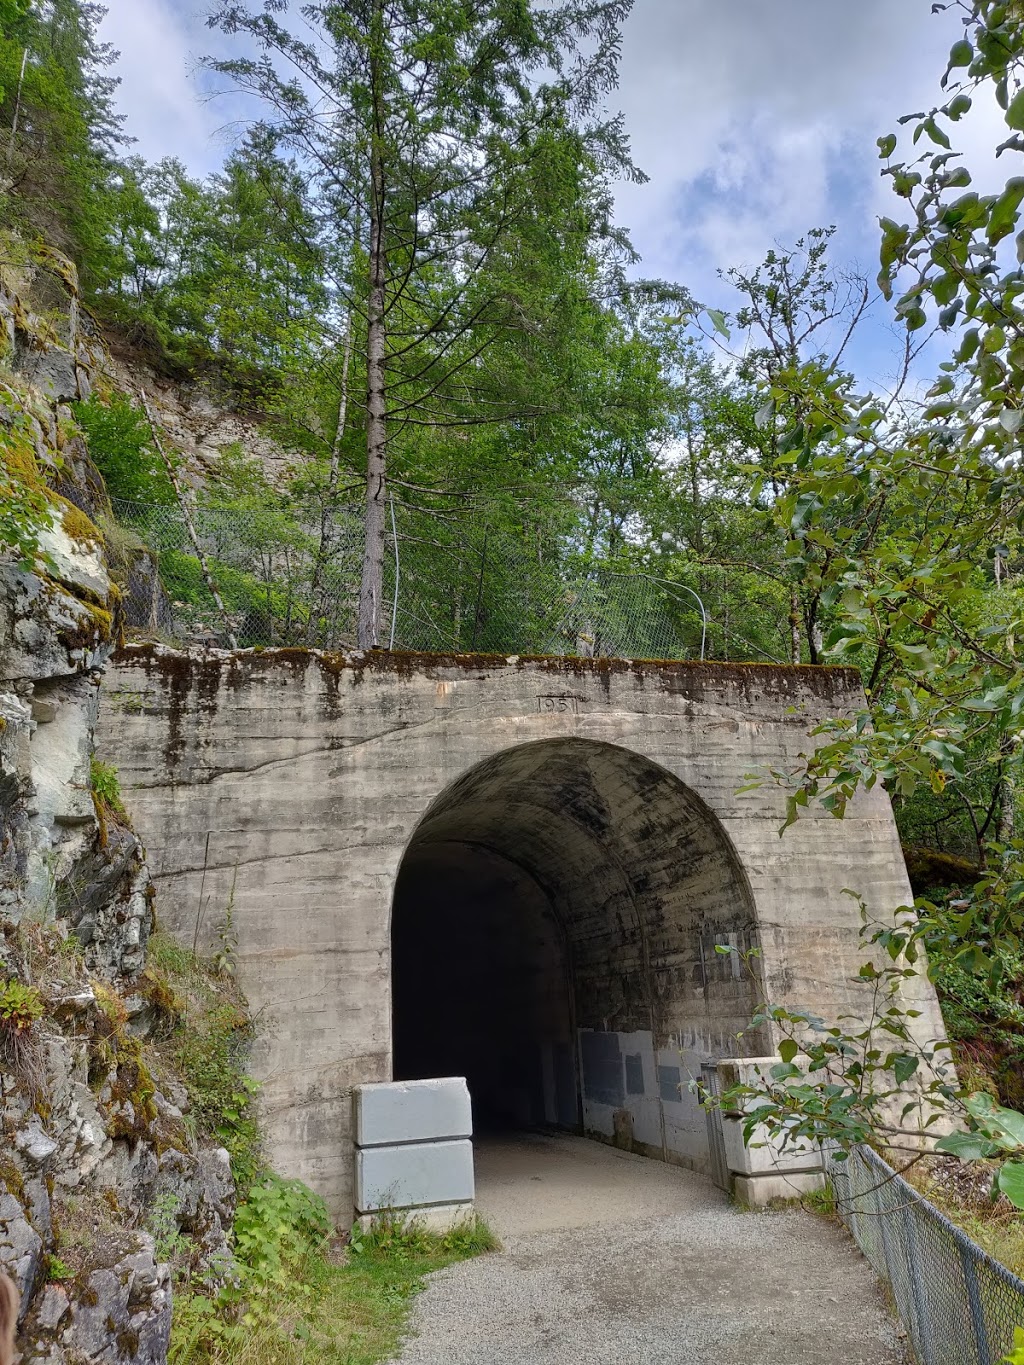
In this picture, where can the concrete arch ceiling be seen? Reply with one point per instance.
(566, 888)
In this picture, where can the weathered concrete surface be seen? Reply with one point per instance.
(610, 1259)
(414, 1176)
(572, 849)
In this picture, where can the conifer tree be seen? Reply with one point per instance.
(58, 163)
(423, 124)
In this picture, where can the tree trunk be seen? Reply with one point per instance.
(317, 596)
(371, 588)
(795, 626)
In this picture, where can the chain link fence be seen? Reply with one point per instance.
(959, 1306)
(450, 585)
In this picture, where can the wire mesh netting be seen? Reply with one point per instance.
(959, 1306)
(449, 586)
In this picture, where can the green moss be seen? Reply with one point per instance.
(76, 524)
(166, 1004)
(11, 1178)
(97, 629)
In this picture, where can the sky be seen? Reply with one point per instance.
(753, 119)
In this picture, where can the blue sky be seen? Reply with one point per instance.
(754, 119)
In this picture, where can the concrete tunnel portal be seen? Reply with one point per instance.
(554, 931)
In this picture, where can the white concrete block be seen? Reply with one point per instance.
(419, 1173)
(764, 1156)
(412, 1111)
(757, 1191)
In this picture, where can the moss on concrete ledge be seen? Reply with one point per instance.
(208, 669)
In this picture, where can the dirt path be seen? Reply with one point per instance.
(613, 1260)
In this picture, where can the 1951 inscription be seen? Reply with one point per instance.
(559, 703)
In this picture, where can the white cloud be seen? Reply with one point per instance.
(757, 120)
(162, 89)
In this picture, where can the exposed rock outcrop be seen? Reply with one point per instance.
(93, 1135)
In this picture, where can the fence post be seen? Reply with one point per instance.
(922, 1311)
(982, 1348)
(883, 1226)
(480, 588)
(837, 1175)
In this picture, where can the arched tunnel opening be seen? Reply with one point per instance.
(555, 933)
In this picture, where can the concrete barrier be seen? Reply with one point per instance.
(414, 1151)
(764, 1170)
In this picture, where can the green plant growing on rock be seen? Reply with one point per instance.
(118, 1063)
(162, 1224)
(26, 505)
(20, 1007)
(208, 1045)
(58, 1270)
(106, 786)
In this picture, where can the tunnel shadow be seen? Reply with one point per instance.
(555, 933)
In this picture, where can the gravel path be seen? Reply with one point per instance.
(613, 1260)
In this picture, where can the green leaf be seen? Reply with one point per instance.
(718, 319)
(1006, 210)
(788, 1049)
(966, 1146)
(935, 133)
(784, 1071)
(1010, 1181)
(903, 1068)
(887, 145)
(1015, 112)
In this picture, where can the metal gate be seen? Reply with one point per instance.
(716, 1137)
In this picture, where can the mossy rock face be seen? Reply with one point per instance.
(79, 482)
(929, 870)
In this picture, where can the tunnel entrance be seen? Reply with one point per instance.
(554, 933)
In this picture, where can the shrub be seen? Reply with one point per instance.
(120, 444)
(281, 1225)
(983, 1014)
(20, 1008)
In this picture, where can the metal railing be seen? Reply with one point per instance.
(450, 585)
(958, 1304)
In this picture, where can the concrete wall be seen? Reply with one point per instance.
(588, 808)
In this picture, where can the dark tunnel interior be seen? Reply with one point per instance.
(558, 906)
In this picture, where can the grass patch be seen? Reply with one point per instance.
(821, 1202)
(355, 1302)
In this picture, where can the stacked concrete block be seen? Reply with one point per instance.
(764, 1169)
(414, 1151)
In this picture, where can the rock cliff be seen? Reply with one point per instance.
(99, 1164)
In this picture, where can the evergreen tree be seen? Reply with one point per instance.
(424, 127)
(59, 162)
